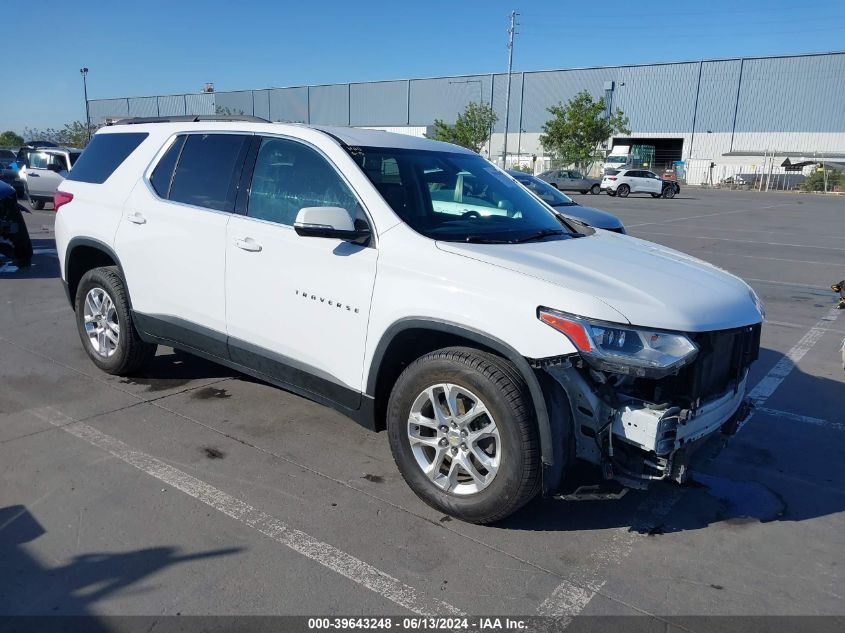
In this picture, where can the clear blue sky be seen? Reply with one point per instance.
(169, 46)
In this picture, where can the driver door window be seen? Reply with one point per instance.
(289, 176)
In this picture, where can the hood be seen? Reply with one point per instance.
(594, 217)
(649, 284)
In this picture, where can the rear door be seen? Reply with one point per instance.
(172, 238)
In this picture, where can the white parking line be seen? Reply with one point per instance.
(327, 555)
(803, 419)
(709, 215)
(696, 236)
(568, 599)
(777, 374)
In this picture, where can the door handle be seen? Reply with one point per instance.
(136, 218)
(30, 175)
(248, 244)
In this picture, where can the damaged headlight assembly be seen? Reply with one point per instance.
(623, 349)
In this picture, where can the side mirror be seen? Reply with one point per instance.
(333, 222)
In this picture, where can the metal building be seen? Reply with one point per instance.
(726, 115)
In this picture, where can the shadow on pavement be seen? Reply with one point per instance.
(28, 587)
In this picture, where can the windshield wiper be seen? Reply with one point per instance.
(540, 235)
(563, 203)
(480, 239)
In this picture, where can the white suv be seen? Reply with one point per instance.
(415, 287)
(622, 182)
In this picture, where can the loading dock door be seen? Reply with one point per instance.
(666, 150)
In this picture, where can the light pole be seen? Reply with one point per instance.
(84, 73)
(511, 33)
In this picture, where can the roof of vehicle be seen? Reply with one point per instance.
(347, 135)
(58, 150)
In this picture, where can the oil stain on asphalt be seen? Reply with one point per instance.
(213, 453)
(209, 393)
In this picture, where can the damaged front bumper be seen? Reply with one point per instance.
(636, 441)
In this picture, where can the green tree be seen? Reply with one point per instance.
(576, 130)
(471, 130)
(74, 134)
(10, 139)
(816, 180)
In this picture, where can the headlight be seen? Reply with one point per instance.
(623, 349)
(761, 307)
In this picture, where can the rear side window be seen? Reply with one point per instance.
(103, 155)
(205, 175)
(163, 173)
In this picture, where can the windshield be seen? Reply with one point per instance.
(616, 159)
(457, 197)
(546, 192)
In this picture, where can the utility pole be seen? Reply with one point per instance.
(84, 73)
(511, 33)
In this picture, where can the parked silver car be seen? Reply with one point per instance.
(45, 169)
(571, 180)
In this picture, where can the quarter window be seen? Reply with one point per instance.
(209, 170)
(289, 176)
(103, 155)
(163, 173)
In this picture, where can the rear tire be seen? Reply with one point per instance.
(623, 190)
(499, 443)
(105, 324)
(595, 190)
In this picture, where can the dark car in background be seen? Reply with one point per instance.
(14, 236)
(566, 206)
(9, 172)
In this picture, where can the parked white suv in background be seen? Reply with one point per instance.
(44, 170)
(415, 287)
(627, 181)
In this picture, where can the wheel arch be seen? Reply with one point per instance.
(409, 338)
(84, 254)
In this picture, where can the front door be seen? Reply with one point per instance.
(297, 307)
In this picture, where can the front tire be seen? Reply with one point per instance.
(668, 192)
(623, 190)
(105, 324)
(595, 190)
(463, 434)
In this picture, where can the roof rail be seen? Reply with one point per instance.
(191, 118)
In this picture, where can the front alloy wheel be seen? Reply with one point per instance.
(454, 439)
(101, 322)
(462, 430)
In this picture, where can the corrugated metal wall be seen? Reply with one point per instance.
(717, 106)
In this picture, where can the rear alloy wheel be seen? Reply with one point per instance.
(463, 434)
(105, 325)
(595, 190)
(669, 192)
(623, 190)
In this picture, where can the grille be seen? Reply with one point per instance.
(722, 359)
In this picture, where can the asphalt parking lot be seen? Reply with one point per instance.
(194, 490)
